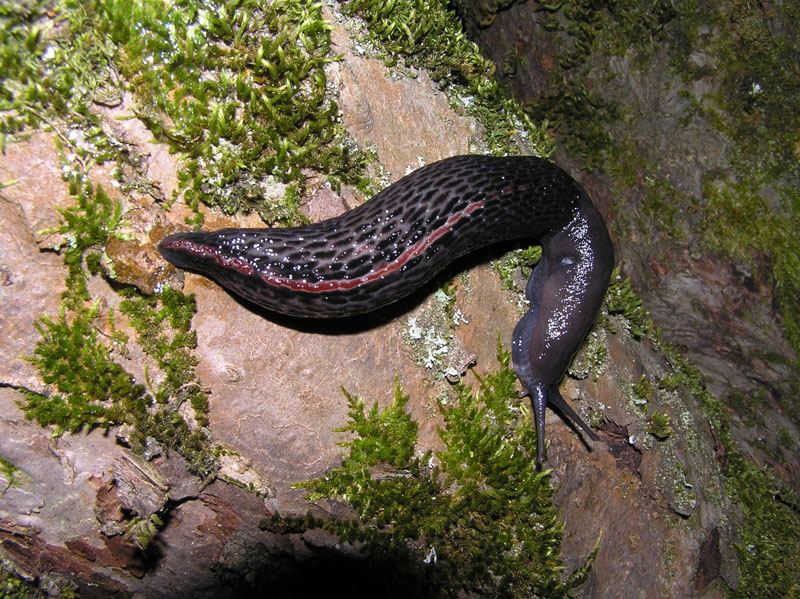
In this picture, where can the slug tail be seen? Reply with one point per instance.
(562, 406)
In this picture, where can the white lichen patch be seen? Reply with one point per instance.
(429, 332)
(234, 468)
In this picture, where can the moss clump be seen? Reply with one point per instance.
(658, 425)
(86, 226)
(642, 391)
(238, 89)
(481, 521)
(50, 77)
(163, 324)
(770, 534)
(143, 530)
(621, 299)
(92, 389)
(584, 116)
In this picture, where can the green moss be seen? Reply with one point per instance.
(476, 516)
(171, 349)
(86, 227)
(7, 471)
(143, 530)
(519, 261)
(584, 116)
(769, 529)
(770, 541)
(13, 586)
(642, 391)
(786, 440)
(747, 406)
(92, 389)
(741, 220)
(760, 97)
(50, 77)
(621, 299)
(669, 382)
(658, 425)
(238, 90)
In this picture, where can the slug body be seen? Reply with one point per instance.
(393, 244)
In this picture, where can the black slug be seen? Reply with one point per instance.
(391, 245)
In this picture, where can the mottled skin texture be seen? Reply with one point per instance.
(393, 244)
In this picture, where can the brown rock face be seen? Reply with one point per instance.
(79, 505)
(720, 312)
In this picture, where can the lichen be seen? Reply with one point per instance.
(476, 515)
(430, 333)
(769, 528)
(592, 357)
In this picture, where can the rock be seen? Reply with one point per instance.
(85, 506)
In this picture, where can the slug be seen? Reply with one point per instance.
(394, 243)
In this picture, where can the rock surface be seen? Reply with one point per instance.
(658, 508)
(714, 308)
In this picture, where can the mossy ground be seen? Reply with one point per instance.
(239, 92)
(428, 34)
(752, 210)
(240, 107)
(477, 516)
(742, 54)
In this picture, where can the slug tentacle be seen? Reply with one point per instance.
(393, 244)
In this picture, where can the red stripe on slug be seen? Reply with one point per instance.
(246, 268)
(207, 251)
(412, 252)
